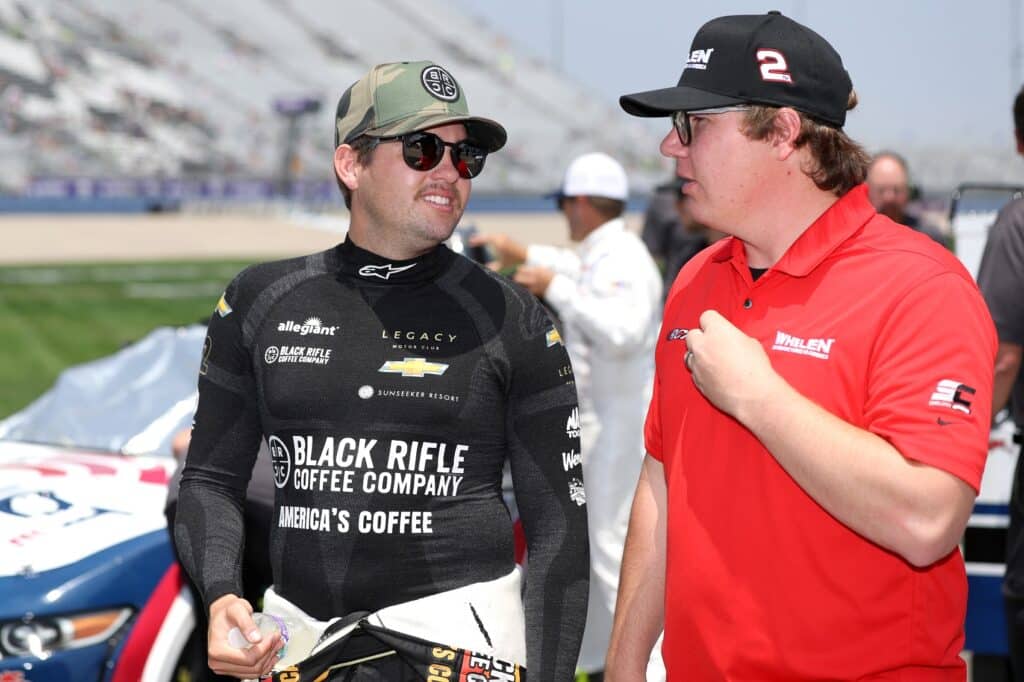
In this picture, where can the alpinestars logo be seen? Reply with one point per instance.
(699, 59)
(815, 348)
(383, 271)
(572, 424)
(952, 394)
(313, 325)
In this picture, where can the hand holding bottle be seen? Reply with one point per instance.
(231, 612)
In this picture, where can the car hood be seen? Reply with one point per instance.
(59, 505)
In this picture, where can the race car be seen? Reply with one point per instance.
(89, 588)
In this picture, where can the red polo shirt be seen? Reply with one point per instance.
(883, 328)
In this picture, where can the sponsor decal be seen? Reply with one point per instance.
(423, 395)
(204, 364)
(952, 394)
(773, 66)
(677, 334)
(699, 59)
(313, 325)
(413, 367)
(815, 348)
(576, 492)
(383, 271)
(571, 459)
(572, 424)
(12, 676)
(297, 355)
(407, 335)
(553, 337)
(37, 504)
(280, 460)
(366, 392)
(439, 83)
(396, 469)
(223, 309)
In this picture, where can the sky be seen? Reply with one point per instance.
(928, 73)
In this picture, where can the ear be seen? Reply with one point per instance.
(346, 165)
(787, 130)
(1020, 141)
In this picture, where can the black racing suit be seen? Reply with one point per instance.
(391, 394)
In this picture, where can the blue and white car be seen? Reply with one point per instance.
(89, 589)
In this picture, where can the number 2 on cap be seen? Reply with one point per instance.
(773, 66)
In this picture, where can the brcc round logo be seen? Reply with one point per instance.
(280, 460)
(270, 356)
(440, 83)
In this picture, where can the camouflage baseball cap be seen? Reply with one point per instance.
(404, 97)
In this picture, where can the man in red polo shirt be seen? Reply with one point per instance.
(820, 417)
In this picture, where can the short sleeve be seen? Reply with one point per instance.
(930, 376)
(652, 425)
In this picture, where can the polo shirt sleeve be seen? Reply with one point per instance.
(652, 426)
(1001, 276)
(929, 389)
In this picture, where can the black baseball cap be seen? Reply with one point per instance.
(754, 58)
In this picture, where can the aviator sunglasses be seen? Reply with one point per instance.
(423, 151)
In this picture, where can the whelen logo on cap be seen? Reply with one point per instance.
(440, 83)
(699, 59)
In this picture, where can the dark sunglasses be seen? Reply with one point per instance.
(423, 151)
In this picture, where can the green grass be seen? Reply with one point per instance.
(52, 317)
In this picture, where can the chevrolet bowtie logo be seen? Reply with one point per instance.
(383, 271)
(413, 367)
(553, 337)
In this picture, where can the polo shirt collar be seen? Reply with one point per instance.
(833, 227)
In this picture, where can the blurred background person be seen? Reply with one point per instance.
(890, 192)
(608, 293)
(675, 237)
(1001, 278)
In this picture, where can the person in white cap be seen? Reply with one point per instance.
(607, 292)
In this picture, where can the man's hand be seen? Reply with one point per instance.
(535, 278)
(730, 368)
(232, 611)
(507, 251)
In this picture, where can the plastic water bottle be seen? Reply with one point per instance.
(296, 637)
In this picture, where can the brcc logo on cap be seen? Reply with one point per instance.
(440, 83)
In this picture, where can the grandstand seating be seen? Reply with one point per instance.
(184, 88)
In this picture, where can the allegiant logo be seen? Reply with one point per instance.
(311, 326)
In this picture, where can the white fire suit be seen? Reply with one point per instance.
(608, 293)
